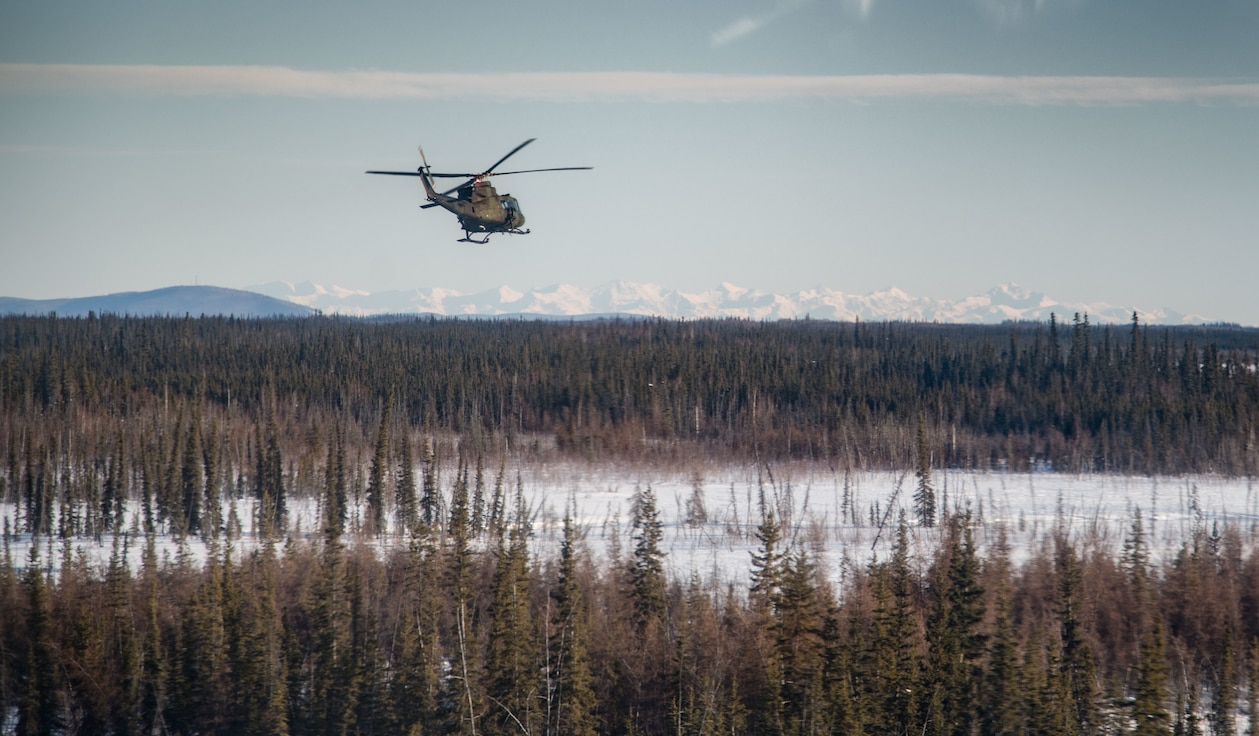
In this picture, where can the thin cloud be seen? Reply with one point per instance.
(736, 30)
(861, 7)
(744, 27)
(262, 81)
(1013, 12)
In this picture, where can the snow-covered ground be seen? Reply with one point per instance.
(847, 519)
(843, 519)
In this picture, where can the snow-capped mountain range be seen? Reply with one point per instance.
(1006, 302)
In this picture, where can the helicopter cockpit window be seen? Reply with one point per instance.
(510, 205)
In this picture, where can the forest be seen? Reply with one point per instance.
(423, 602)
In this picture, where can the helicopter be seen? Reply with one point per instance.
(479, 208)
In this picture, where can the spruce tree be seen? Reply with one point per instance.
(269, 481)
(335, 497)
(800, 648)
(646, 573)
(419, 660)
(212, 515)
(768, 561)
(768, 576)
(1224, 696)
(897, 665)
(122, 646)
(478, 496)
(1076, 668)
(512, 654)
(333, 677)
(430, 499)
(1001, 691)
(407, 500)
(205, 682)
(574, 703)
(466, 686)
(267, 676)
(375, 521)
(924, 494)
(154, 668)
(371, 706)
(955, 642)
(1150, 706)
(191, 481)
(40, 711)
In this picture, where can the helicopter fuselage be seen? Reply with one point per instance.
(480, 209)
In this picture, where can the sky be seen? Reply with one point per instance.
(1094, 150)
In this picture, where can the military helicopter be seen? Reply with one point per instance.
(479, 208)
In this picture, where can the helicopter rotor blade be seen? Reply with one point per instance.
(396, 173)
(487, 172)
(509, 155)
(453, 189)
(531, 171)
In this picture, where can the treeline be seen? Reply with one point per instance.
(1077, 397)
(471, 629)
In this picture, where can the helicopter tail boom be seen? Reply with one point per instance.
(429, 192)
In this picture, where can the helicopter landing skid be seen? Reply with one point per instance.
(467, 236)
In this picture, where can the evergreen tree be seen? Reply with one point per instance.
(419, 661)
(1001, 689)
(212, 517)
(429, 496)
(335, 497)
(1224, 696)
(466, 685)
(924, 495)
(478, 496)
(113, 491)
(372, 704)
(40, 711)
(407, 500)
(1076, 668)
(839, 669)
(1150, 706)
(269, 481)
(799, 623)
(1136, 555)
(154, 671)
(263, 677)
(204, 683)
(121, 645)
(191, 481)
(646, 573)
(574, 702)
(769, 566)
(511, 658)
(768, 561)
(334, 679)
(375, 520)
(897, 664)
(955, 642)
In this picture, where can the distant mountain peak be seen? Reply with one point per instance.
(170, 300)
(1004, 302)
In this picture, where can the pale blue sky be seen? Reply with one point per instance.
(1094, 150)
